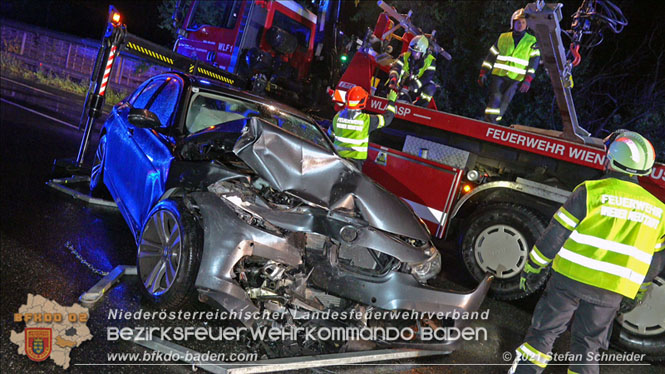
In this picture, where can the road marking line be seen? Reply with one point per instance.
(40, 113)
(28, 86)
(240, 364)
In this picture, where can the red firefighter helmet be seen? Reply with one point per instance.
(356, 98)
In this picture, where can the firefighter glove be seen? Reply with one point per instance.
(641, 293)
(628, 304)
(482, 79)
(392, 82)
(412, 86)
(392, 95)
(530, 277)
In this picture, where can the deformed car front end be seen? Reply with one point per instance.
(305, 225)
(244, 204)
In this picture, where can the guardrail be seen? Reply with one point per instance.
(69, 56)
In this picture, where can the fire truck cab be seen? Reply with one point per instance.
(272, 41)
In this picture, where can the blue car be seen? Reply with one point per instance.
(243, 203)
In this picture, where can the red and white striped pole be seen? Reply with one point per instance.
(107, 71)
(110, 44)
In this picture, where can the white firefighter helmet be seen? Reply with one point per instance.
(419, 44)
(629, 152)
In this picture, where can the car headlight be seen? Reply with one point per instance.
(428, 269)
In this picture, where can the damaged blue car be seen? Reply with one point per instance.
(243, 203)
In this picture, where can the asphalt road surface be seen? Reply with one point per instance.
(36, 222)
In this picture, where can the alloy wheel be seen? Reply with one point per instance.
(159, 252)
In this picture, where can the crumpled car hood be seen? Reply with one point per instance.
(319, 176)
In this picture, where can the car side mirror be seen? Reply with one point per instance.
(143, 118)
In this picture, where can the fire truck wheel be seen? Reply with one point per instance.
(97, 187)
(498, 239)
(642, 330)
(169, 254)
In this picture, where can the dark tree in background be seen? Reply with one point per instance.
(207, 13)
(619, 84)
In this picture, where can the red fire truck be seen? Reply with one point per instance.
(492, 186)
(271, 44)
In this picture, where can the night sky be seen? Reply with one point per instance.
(88, 18)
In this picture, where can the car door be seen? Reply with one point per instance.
(156, 147)
(138, 157)
(120, 171)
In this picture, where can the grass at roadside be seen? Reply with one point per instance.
(10, 66)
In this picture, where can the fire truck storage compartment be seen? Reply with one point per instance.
(509, 162)
(428, 187)
(434, 151)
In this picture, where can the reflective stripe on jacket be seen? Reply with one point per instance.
(511, 60)
(613, 245)
(351, 134)
(352, 128)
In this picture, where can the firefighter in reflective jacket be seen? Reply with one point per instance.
(511, 60)
(605, 244)
(413, 71)
(351, 126)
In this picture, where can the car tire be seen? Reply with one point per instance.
(497, 239)
(169, 254)
(97, 187)
(642, 330)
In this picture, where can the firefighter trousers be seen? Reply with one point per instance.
(420, 97)
(426, 93)
(501, 92)
(592, 321)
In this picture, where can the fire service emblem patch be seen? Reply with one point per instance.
(37, 343)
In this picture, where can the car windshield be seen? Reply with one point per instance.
(208, 109)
